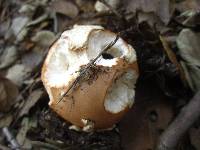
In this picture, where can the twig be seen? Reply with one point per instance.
(55, 22)
(10, 138)
(37, 20)
(187, 117)
(112, 9)
(87, 67)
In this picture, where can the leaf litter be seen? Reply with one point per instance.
(165, 35)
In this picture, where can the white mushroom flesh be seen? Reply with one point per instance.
(121, 94)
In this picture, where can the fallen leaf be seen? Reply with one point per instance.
(189, 49)
(18, 24)
(21, 136)
(8, 94)
(18, 73)
(4, 26)
(149, 17)
(149, 116)
(100, 7)
(65, 7)
(18, 28)
(27, 8)
(188, 5)
(44, 38)
(192, 74)
(26, 125)
(62, 22)
(189, 46)
(30, 102)
(8, 57)
(172, 57)
(163, 9)
(6, 120)
(32, 59)
(85, 6)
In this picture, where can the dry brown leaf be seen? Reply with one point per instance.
(18, 73)
(6, 120)
(188, 5)
(163, 8)
(32, 59)
(8, 57)
(18, 28)
(65, 7)
(30, 102)
(86, 6)
(150, 18)
(189, 49)
(18, 24)
(44, 38)
(150, 115)
(189, 46)
(21, 136)
(172, 57)
(8, 94)
(101, 7)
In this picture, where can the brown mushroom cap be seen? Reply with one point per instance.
(94, 98)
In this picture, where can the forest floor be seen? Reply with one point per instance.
(165, 35)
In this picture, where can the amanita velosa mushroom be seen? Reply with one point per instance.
(108, 89)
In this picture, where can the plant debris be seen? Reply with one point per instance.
(8, 93)
(31, 101)
(165, 35)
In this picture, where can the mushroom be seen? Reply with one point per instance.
(107, 90)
